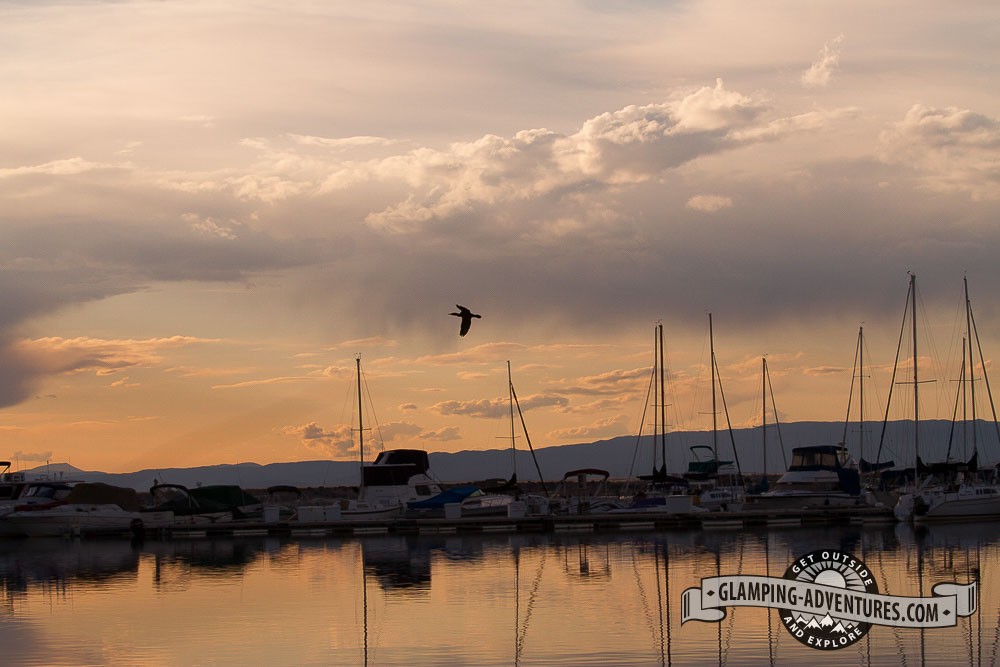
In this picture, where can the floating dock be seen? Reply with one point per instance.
(570, 523)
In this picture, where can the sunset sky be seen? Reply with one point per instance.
(209, 209)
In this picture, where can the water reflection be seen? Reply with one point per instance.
(49, 564)
(521, 599)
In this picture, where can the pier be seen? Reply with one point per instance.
(569, 523)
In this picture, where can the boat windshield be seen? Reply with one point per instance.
(54, 491)
(816, 458)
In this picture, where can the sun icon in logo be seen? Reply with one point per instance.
(836, 570)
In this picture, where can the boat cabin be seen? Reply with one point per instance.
(820, 457)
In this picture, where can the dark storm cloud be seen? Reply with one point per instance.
(49, 267)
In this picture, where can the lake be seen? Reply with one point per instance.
(511, 599)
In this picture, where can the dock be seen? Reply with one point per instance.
(608, 522)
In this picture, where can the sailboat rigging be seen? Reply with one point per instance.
(953, 490)
(657, 387)
(661, 493)
(858, 376)
(819, 475)
(767, 389)
(394, 478)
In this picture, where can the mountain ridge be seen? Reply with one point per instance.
(622, 456)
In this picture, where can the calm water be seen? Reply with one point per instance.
(465, 600)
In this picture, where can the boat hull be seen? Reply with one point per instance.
(779, 501)
(957, 509)
(70, 520)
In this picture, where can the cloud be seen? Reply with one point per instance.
(614, 402)
(951, 149)
(493, 408)
(611, 382)
(826, 370)
(125, 383)
(481, 409)
(74, 166)
(821, 71)
(288, 379)
(601, 428)
(100, 356)
(395, 431)
(225, 230)
(343, 143)
(26, 363)
(709, 203)
(609, 151)
(447, 434)
(337, 442)
(32, 456)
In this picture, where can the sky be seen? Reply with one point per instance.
(209, 210)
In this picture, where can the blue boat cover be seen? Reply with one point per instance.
(455, 495)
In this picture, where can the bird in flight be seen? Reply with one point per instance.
(466, 316)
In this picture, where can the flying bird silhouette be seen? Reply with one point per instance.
(466, 316)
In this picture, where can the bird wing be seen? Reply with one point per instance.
(466, 323)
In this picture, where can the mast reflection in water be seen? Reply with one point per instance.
(518, 599)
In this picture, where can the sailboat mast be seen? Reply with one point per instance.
(711, 354)
(663, 401)
(859, 375)
(361, 426)
(972, 361)
(916, 384)
(861, 391)
(763, 411)
(510, 390)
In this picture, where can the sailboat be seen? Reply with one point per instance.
(819, 476)
(704, 472)
(394, 478)
(953, 490)
(504, 499)
(660, 494)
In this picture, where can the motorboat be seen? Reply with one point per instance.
(819, 476)
(204, 504)
(88, 509)
(27, 494)
(585, 491)
(21, 488)
(395, 478)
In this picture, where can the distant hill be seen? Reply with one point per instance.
(624, 456)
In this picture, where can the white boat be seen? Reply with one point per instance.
(819, 476)
(585, 491)
(26, 494)
(396, 477)
(20, 488)
(500, 497)
(88, 509)
(966, 501)
(722, 498)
